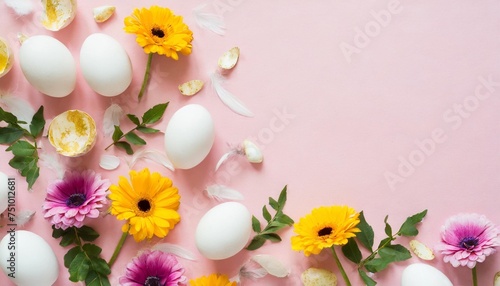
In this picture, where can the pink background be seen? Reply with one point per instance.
(352, 118)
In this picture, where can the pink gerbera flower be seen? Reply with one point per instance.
(467, 239)
(153, 268)
(77, 196)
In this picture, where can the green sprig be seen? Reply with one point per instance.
(274, 224)
(84, 260)
(22, 143)
(386, 252)
(126, 140)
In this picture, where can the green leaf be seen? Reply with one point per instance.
(9, 135)
(274, 204)
(274, 226)
(134, 119)
(283, 218)
(32, 175)
(368, 281)
(256, 243)
(57, 232)
(92, 250)
(126, 146)
(408, 228)
(266, 214)
(22, 148)
(394, 253)
(384, 241)
(99, 265)
(272, 237)
(366, 236)
(282, 198)
(117, 134)
(255, 224)
(37, 123)
(134, 139)
(87, 233)
(377, 264)
(96, 279)
(147, 130)
(68, 238)
(8, 117)
(154, 114)
(351, 251)
(19, 163)
(70, 255)
(388, 228)
(79, 268)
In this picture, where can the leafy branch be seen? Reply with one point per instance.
(386, 252)
(83, 260)
(151, 116)
(275, 223)
(25, 150)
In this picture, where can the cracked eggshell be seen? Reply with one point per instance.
(58, 14)
(6, 57)
(191, 87)
(48, 65)
(72, 133)
(421, 250)
(419, 274)
(105, 65)
(229, 59)
(189, 136)
(252, 152)
(35, 261)
(496, 279)
(318, 277)
(103, 13)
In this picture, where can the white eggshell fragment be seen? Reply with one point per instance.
(4, 192)
(252, 151)
(229, 59)
(72, 133)
(496, 280)
(6, 57)
(30, 259)
(105, 65)
(189, 136)
(58, 14)
(48, 65)
(419, 274)
(223, 231)
(421, 250)
(318, 277)
(103, 13)
(191, 87)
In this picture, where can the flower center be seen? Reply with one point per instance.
(75, 200)
(469, 243)
(158, 32)
(325, 231)
(152, 281)
(144, 205)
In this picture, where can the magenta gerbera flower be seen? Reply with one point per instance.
(467, 239)
(77, 196)
(153, 268)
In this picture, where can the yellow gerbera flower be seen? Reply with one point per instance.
(149, 203)
(325, 227)
(159, 31)
(212, 280)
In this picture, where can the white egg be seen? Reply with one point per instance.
(105, 65)
(48, 65)
(223, 231)
(419, 274)
(27, 259)
(189, 136)
(4, 192)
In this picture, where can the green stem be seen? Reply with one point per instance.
(339, 265)
(125, 134)
(474, 276)
(146, 76)
(117, 249)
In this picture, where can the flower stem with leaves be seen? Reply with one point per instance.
(25, 150)
(151, 116)
(279, 221)
(147, 74)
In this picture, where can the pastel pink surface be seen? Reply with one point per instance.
(336, 113)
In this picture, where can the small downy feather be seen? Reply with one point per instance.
(153, 155)
(23, 217)
(211, 22)
(272, 265)
(109, 162)
(224, 158)
(51, 161)
(19, 107)
(112, 117)
(227, 97)
(21, 7)
(176, 250)
(221, 193)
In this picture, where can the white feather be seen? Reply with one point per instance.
(253, 274)
(227, 98)
(24, 217)
(176, 250)
(109, 162)
(272, 265)
(221, 192)
(51, 161)
(211, 22)
(224, 158)
(153, 155)
(19, 107)
(112, 117)
(21, 7)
